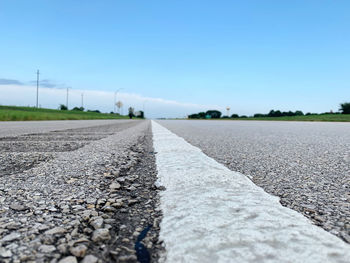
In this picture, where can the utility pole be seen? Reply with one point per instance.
(67, 99)
(37, 89)
(82, 100)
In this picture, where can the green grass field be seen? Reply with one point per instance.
(14, 113)
(320, 117)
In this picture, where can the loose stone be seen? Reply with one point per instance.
(5, 253)
(78, 251)
(56, 230)
(47, 248)
(89, 259)
(114, 186)
(100, 235)
(69, 259)
(11, 237)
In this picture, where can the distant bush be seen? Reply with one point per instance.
(225, 117)
(201, 115)
(345, 108)
(234, 116)
(214, 114)
(78, 109)
(63, 107)
(193, 116)
(140, 114)
(97, 111)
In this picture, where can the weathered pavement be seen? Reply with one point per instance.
(307, 165)
(80, 191)
(212, 214)
(86, 192)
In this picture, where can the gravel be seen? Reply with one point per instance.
(307, 165)
(83, 194)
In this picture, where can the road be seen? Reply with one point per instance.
(306, 164)
(76, 190)
(12, 128)
(214, 214)
(71, 190)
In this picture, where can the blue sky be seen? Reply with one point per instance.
(250, 55)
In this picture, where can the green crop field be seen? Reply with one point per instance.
(14, 113)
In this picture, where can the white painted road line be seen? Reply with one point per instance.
(211, 214)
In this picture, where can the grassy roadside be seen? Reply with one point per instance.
(320, 117)
(14, 113)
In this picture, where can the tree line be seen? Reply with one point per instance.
(215, 114)
(131, 111)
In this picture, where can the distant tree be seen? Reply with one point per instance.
(78, 109)
(225, 117)
(278, 113)
(140, 114)
(214, 114)
(288, 113)
(345, 108)
(259, 115)
(201, 115)
(193, 116)
(63, 107)
(243, 116)
(273, 113)
(234, 116)
(299, 113)
(131, 112)
(97, 111)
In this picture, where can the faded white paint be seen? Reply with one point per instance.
(211, 214)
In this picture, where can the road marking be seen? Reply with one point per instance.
(212, 214)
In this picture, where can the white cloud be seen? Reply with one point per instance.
(98, 100)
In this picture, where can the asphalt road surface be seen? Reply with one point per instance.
(214, 214)
(86, 191)
(306, 164)
(77, 191)
(11, 128)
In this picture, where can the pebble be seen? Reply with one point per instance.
(69, 259)
(90, 259)
(129, 258)
(114, 186)
(18, 207)
(55, 231)
(96, 223)
(78, 251)
(11, 237)
(5, 253)
(47, 248)
(100, 235)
